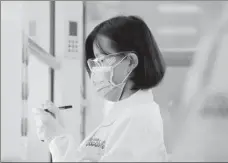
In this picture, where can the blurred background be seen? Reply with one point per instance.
(192, 36)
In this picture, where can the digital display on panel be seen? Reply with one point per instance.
(73, 28)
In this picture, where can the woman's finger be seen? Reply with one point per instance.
(37, 111)
(41, 128)
(43, 106)
(49, 103)
(43, 118)
(41, 132)
(46, 105)
(50, 107)
(38, 121)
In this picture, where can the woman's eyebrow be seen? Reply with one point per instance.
(99, 55)
(101, 49)
(104, 52)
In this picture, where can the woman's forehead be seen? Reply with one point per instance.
(104, 45)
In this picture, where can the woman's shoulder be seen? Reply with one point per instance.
(150, 110)
(142, 104)
(144, 117)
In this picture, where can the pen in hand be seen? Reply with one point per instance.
(61, 108)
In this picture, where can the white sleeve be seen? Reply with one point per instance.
(141, 141)
(64, 149)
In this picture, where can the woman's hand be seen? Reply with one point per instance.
(48, 123)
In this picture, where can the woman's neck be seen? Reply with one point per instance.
(121, 93)
(127, 91)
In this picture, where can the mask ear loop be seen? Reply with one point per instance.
(121, 94)
(123, 83)
(124, 78)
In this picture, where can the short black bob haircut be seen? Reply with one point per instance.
(132, 34)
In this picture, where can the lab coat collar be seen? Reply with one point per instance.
(140, 97)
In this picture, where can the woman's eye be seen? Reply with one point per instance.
(103, 61)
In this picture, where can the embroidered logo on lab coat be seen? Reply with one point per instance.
(94, 147)
(96, 142)
(99, 137)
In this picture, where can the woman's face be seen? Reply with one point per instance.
(108, 48)
(106, 53)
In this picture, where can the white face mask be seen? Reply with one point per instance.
(102, 78)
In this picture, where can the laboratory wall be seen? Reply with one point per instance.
(36, 25)
(68, 78)
(15, 16)
(26, 16)
(10, 80)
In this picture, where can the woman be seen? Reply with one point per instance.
(124, 63)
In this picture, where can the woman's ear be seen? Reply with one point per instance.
(133, 60)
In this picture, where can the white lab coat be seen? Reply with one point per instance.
(132, 131)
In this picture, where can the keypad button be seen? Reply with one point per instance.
(73, 46)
